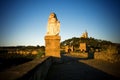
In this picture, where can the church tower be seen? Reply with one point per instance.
(85, 34)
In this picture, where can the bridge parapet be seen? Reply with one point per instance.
(33, 70)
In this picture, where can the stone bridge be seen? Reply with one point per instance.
(69, 68)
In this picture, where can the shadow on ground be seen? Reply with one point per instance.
(71, 69)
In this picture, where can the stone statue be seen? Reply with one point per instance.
(53, 27)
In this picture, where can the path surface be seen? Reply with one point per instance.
(73, 68)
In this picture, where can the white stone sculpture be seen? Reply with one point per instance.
(53, 27)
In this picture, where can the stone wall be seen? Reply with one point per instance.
(111, 54)
(83, 55)
(33, 70)
(100, 55)
(107, 57)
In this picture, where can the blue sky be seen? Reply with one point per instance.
(24, 22)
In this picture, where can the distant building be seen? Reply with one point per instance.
(84, 35)
(68, 48)
(83, 47)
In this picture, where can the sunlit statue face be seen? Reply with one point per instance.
(52, 15)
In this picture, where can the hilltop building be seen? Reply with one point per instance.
(83, 45)
(85, 35)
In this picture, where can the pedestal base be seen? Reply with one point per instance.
(52, 46)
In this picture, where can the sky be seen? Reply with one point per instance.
(24, 22)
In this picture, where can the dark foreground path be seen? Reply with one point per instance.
(73, 68)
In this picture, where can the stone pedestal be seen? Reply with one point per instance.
(52, 46)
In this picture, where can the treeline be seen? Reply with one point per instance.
(91, 42)
(22, 47)
(15, 55)
(30, 52)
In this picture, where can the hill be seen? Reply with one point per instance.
(91, 42)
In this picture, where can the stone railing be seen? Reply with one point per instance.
(33, 70)
(99, 55)
(84, 55)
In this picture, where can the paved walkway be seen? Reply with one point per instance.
(73, 68)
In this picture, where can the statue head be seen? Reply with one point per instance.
(53, 15)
